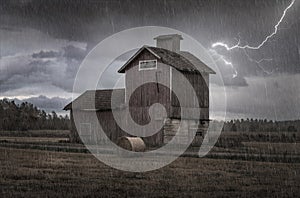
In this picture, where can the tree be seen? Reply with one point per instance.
(26, 116)
(292, 129)
(233, 127)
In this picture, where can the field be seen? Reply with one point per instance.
(36, 171)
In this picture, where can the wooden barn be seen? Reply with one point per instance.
(149, 64)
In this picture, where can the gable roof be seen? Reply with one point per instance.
(102, 99)
(197, 62)
(182, 61)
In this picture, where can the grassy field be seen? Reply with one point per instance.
(37, 133)
(33, 173)
(32, 139)
(273, 148)
(29, 167)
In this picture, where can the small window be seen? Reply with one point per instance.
(147, 64)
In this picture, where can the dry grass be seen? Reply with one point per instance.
(37, 133)
(274, 148)
(32, 139)
(33, 173)
(233, 140)
(287, 137)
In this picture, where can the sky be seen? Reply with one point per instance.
(44, 42)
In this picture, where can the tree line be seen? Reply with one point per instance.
(261, 125)
(26, 116)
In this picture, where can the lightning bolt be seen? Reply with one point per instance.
(222, 58)
(221, 44)
(258, 62)
(247, 46)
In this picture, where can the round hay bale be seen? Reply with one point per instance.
(135, 144)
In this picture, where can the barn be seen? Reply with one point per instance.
(151, 65)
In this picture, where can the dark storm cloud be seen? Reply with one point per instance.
(55, 68)
(46, 103)
(72, 52)
(79, 20)
(11, 29)
(275, 97)
(207, 21)
(252, 77)
(35, 71)
(236, 81)
(45, 54)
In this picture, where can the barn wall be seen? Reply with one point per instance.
(74, 137)
(87, 128)
(187, 127)
(151, 92)
(109, 126)
(140, 98)
(90, 130)
(200, 84)
(91, 133)
(141, 116)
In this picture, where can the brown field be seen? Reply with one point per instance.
(37, 133)
(33, 173)
(32, 139)
(274, 148)
(34, 170)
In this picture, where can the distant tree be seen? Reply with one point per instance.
(260, 125)
(252, 128)
(26, 116)
(292, 129)
(233, 127)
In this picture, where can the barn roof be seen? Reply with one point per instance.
(183, 61)
(102, 99)
(197, 62)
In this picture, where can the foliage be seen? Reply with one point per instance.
(255, 125)
(26, 116)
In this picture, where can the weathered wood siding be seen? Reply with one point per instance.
(88, 128)
(146, 95)
(200, 84)
(140, 95)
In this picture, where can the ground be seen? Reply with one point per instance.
(32, 172)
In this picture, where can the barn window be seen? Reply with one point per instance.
(147, 64)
